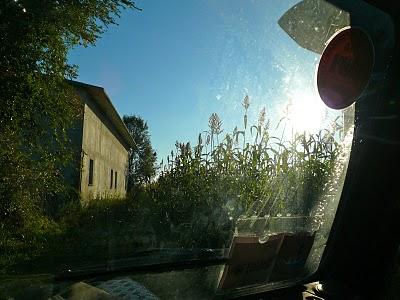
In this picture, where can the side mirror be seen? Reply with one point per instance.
(348, 34)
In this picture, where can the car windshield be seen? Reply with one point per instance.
(197, 132)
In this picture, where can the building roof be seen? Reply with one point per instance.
(99, 96)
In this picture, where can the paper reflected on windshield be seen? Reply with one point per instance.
(278, 257)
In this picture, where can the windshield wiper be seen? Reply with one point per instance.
(157, 260)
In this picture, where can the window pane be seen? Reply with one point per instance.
(225, 148)
(91, 167)
(111, 179)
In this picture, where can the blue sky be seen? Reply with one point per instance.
(176, 62)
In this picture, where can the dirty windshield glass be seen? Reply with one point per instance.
(189, 131)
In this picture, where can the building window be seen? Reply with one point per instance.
(91, 166)
(116, 176)
(111, 182)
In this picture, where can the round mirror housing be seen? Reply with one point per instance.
(345, 67)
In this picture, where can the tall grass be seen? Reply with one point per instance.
(202, 190)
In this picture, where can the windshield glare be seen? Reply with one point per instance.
(200, 135)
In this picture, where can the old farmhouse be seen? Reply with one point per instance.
(103, 142)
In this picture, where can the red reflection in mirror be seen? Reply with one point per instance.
(345, 68)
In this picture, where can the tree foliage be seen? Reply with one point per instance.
(142, 158)
(38, 107)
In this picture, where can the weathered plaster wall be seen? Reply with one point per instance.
(102, 144)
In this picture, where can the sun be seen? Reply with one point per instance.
(305, 112)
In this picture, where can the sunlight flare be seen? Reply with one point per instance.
(305, 112)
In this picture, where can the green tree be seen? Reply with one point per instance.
(142, 159)
(38, 106)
